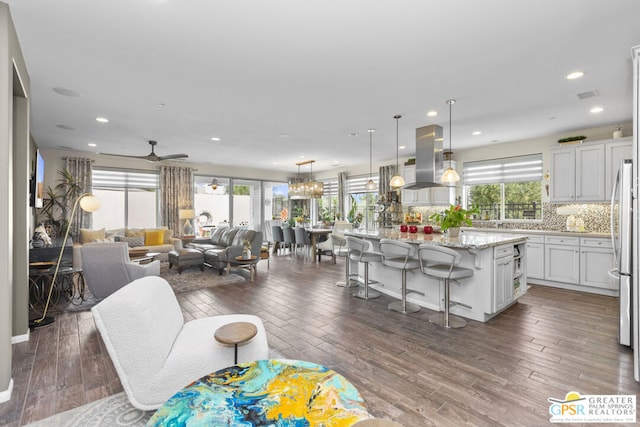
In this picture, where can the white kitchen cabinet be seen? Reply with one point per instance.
(503, 277)
(615, 152)
(535, 257)
(578, 173)
(563, 175)
(562, 259)
(412, 197)
(596, 259)
(590, 179)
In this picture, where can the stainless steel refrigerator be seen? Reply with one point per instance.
(621, 237)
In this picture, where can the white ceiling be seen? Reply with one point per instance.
(281, 79)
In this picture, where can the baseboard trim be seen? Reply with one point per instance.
(20, 338)
(5, 396)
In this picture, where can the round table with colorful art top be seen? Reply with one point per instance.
(281, 393)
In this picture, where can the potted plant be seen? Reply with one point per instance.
(326, 216)
(453, 218)
(58, 203)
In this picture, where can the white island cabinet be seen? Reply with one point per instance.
(499, 273)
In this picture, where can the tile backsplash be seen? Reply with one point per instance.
(594, 215)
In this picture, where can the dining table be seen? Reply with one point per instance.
(314, 233)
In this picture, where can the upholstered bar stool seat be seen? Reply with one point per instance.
(442, 263)
(186, 258)
(401, 256)
(362, 251)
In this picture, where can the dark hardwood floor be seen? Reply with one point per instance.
(497, 373)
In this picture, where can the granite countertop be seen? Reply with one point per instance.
(541, 232)
(467, 240)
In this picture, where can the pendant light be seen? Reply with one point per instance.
(370, 186)
(214, 184)
(397, 181)
(450, 176)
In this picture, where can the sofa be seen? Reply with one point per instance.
(225, 244)
(157, 239)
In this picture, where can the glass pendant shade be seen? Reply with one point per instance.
(450, 176)
(397, 181)
(370, 185)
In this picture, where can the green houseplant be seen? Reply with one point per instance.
(453, 217)
(58, 202)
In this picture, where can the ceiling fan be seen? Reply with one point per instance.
(152, 157)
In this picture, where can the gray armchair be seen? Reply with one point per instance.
(107, 267)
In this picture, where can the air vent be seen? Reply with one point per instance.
(590, 94)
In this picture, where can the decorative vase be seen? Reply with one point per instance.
(453, 232)
(246, 253)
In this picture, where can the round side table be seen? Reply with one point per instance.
(235, 333)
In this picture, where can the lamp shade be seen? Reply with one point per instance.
(397, 181)
(186, 214)
(450, 176)
(90, 203)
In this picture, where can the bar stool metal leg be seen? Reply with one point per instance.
(366, 293)
(347, 277)
(444, 319)
(403, 306)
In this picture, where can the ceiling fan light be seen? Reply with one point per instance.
(214, 184)
(397, 182)
(450, 176)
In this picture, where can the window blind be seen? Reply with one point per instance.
(507, 169)
(113, 178)
(330, 187)
(357, 184)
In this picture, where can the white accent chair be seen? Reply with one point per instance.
(155, 352)
(106, 267)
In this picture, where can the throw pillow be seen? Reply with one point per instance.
(153, 237)
(134, 241)
(87, 236)
(168, 235)
(134, 232)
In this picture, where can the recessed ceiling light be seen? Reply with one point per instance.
(476, 132)
(67, 92)
(102, 120)
(215, 138)
(65, 127)
(402, 147)
(161, 105)
(575, 75)
(432, 113)
(92, 144)
(597, 110)
(353, 134)
(284, 135)
(274, 163)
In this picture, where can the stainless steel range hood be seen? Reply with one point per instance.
(429, 158)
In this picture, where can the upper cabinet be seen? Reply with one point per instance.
(426, 196)
(585, 173)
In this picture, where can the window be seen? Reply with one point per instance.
(362, 201)
(328, 203)
(131, 198)
(505, 189)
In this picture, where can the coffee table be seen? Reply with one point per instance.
(250, 264)
(265, 393)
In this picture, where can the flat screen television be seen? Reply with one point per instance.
(37, 182)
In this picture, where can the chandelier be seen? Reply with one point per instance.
(305, 187)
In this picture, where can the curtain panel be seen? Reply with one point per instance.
(342, 187)
(386, 173)
(176, 192)
(80, 169)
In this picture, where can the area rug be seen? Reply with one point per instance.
(110, 411)
(190, 279)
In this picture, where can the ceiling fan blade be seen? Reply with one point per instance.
(125, 155)
(173, 156)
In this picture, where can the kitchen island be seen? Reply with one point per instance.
(498, 264)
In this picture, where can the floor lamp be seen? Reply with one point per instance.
(88, 203)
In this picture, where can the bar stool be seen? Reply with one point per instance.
(340, 249)
(361, 250)
(401, 256)
(442, 263)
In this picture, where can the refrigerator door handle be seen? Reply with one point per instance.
(612, 222)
